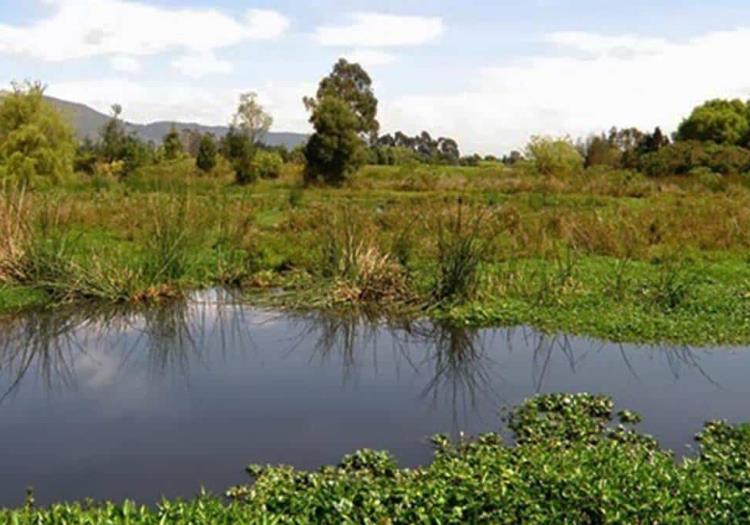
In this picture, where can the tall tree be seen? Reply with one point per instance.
(351, 83)
(251, 118)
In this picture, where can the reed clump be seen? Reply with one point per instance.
(361, 272)
(459, 251)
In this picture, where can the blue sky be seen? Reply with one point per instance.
(489, 73)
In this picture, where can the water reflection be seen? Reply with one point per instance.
(459, 362)
(182, 394)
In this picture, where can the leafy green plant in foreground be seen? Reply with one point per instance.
(573, 460)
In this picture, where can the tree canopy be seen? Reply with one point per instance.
(720, 121)
(351, 83)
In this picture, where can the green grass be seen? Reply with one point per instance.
(573, 460)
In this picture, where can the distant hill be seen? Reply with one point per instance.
(88, 122)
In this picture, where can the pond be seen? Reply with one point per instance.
(139, 404)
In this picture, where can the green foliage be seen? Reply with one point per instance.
(554, 156)
(268, 164)
(116, 145)
(399, 149)
(720, 121)
(335, 150)
(206, 157)
(35, 141)
(172, 145)
(239, 150)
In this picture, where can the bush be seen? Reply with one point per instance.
(551, 156)
(206, 158)
(268, 164)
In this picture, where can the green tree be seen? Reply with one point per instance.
(206, 157)
(35, 140)
(718, 120)
(117, 145)
(351, 83)
(554, 156)
(335, 150)
(172, 144)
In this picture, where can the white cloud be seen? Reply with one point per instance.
(370, 58)
(125, 64)
(202, 64)
(381, 30)
(592, 82)
(89, 28)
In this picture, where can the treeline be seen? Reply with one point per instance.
(713, 141)
(36, 143)
(118, 153)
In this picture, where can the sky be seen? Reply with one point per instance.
(489, 73)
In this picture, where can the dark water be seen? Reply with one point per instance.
(139, 405)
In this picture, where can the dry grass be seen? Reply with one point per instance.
(14, 229)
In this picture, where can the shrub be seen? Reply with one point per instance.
(267, 164)
(240, 151)
(206, 158)
(554, 156)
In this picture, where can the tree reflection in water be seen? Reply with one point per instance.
(460, 366)
(171, 337)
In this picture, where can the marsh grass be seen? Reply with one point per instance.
(672, 285)
(168, 239)
(459, 251)
(360, 271)
(553, 282)
(14, 228)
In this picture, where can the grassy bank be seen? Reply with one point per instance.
(572, 461)
(608, 253)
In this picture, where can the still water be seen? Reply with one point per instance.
(120, 404)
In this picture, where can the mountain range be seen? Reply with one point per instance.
(88, 122)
